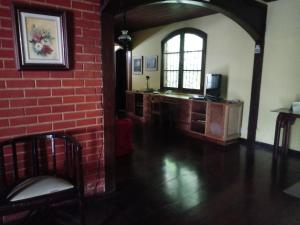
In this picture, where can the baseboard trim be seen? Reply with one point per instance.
(265, 145)
(269, 147)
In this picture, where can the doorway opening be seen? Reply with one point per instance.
(239, 13)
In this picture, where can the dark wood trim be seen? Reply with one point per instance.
(181, 32)
(181, 61)
(104, 4)
(161, 65)
(255, 91)
(109, 80)
(129, 69)
(264, 145)
(269, 147)
(250, 15)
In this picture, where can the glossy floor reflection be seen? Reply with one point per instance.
(174, 180)
(171, 179)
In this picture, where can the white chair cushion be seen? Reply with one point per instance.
(38, 186)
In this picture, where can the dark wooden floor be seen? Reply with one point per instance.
(174, 180)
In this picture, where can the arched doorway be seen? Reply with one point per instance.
(250, 15)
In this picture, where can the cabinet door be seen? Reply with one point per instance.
(183, 115)
(130, 102)
(138, 104)
(147, 107)
(215, 120)
(234, 121)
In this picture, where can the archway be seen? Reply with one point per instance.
(250, 15)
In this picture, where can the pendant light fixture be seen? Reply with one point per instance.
(124, 38)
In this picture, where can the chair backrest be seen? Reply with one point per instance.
(52, 153)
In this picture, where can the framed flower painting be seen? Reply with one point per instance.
(41, 40)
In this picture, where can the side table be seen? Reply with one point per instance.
(285, 120)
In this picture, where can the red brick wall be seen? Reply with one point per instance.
(43, 101)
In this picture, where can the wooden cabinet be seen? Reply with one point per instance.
(147, 107)
(223, 121)
(183, 114)
(138, 105)
(216, 121)
(154, 116)
(130, 98)
(198, 116)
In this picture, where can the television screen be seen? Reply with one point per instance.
(213, 85)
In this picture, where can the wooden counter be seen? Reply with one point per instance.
(216, 121)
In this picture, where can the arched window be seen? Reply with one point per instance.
(183, 60)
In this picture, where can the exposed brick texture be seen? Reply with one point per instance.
(70, 101)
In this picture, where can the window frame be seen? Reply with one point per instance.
(181, 32)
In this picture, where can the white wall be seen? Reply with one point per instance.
(230, 51)
(281, 69)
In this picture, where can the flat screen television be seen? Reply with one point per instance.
(213, 85)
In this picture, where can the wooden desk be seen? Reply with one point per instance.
(216, 121)
(285, 120)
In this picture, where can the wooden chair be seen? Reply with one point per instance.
(40, 171)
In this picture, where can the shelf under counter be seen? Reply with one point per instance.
(199, 121)
(198, 116)
(194, 117)
(198, 127)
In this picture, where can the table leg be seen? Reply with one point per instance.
(287, 132)
(277, 135)
(285, 136)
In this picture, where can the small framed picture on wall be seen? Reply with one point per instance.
(137, 65)
(151, 63)
(40, 37)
